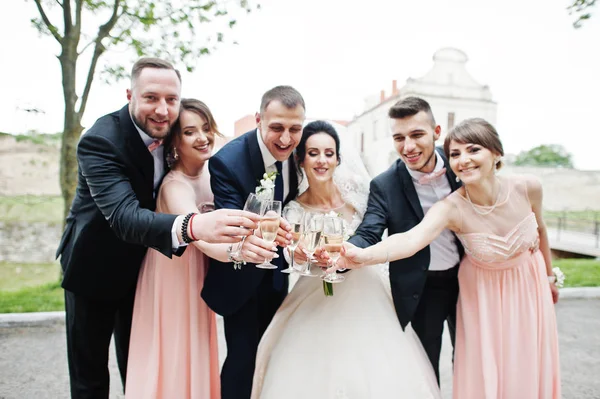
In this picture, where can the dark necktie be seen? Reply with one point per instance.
(279, 182)
(278, 277)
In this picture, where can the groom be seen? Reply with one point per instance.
(248, 298)
(424, 286)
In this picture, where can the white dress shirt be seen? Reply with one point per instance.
(159, 169)
(269, 162)
(444, 254)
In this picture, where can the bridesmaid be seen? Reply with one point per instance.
(506, 334)
(173, 349)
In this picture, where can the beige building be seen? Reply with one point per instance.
(448, 87)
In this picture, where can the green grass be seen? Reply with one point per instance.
(44, 298)
(579, 272)
(31, 208)
(30, 287)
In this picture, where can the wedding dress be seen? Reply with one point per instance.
(349, 345)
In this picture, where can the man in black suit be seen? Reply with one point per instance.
(424, 286)
(249, 297)
(112, 221)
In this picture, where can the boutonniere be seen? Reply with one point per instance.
(266, 186)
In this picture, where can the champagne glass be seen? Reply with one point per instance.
(295, 217)
(311, 239)
(269, 224)
(333, 237)
(255, 205)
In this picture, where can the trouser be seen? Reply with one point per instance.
(437, 304)
(243, 331)
(90, 324)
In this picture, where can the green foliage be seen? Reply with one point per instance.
(579, 272)
(581, 9)
(545, 155)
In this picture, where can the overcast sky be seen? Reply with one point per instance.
(544, 75)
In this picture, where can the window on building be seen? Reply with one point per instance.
(362, 143)
(450, 120)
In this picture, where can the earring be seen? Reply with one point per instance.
(457, 179)
(175, 154)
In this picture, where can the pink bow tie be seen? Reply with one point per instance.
(154, 145)
(428, 178)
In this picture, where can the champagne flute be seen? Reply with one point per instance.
(269, 224)
(333, 237)
(295, 217)
(255, 205)
(311, 239)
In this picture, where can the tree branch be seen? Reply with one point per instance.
(67, 16)
(103, 32)
(78, 9)
(47, 22)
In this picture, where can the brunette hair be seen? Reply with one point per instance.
(287, 95)
(475, 131)
(198, 107)
(410, 106)
(151, 62)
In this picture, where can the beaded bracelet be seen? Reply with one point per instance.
(184, 234)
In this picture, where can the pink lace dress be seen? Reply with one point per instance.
(173, 349)
(506, 335)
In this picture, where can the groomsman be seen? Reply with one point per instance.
(424, 286)
(112, 222)
(249, 297)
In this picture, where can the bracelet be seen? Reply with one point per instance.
(191, 230)
(387, 257)
(184, 234)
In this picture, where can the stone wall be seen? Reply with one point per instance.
(22, 242)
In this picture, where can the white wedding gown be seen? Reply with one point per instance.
(349, 345)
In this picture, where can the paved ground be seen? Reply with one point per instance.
(33, 360)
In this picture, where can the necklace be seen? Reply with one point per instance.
(491, 209)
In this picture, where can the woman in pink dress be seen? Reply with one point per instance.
(173, 345)
(506, 335)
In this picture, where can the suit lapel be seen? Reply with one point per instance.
(454, 185)
(256, 160)
(409, 190)
(138, 151)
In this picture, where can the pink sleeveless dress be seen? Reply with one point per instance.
(506, 334)
(173, 349)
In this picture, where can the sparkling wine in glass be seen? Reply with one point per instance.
(333, 238)
(269, 224)
(311, 239)
(295, 217)
(255, 205)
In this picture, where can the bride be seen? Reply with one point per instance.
(349, 345)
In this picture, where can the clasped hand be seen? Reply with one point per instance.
(256, 250)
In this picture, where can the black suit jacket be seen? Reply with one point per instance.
(394, 204)
(235, 171)
(112, 221)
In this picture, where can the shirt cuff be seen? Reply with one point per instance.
(175, 243)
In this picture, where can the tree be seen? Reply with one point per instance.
(581, 9)
(545, 155)
(166, 29)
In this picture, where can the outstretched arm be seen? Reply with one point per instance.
(374, 222)
(403, 245)
(535, 194)
(180, 199)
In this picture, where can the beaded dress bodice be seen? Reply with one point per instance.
(502, 234)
